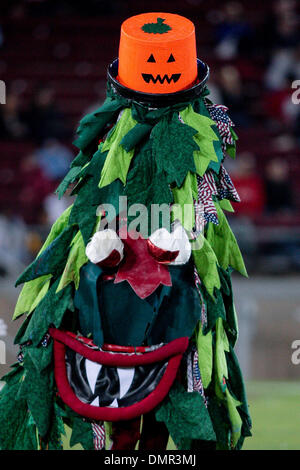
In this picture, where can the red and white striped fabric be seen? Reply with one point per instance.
(206, 189)
(99, 436)
(225, 187)
(218, 113)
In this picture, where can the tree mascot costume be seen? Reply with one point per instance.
(130, 323)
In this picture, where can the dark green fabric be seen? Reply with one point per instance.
(174, 318)
(146, 115)
(86, 301)
(82, 433)
(128, 320)
(125, 317)
(53, 439)
(237, 389)
(37, 389)
(91, 126)
(70, 177)
(200, 108)
(13, 411)
(231, 322)
(221, 423)
(156, 28)
(186, 417)
(231, 149)
(41, 356)
(90, 196)
(50, 311)
(26, 437)
(173, 147)
(216, 166)
(21, 331)
(215, 309)
(135, 136)
(52, 260)
(145, 185)
(81, 159)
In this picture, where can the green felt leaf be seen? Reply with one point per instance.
(231, 149)
(31, 295)
(206, 264)
(135, 136)
(215, 309)
(41, 356)
(34, 291)
(53, 439)
(221, 423)
(173, 146)
(91, 126)
(76, 259)
(222, 345)
(221, 389)
(82, 433)
(13, 412)
(216, 166)
(52, 259)
(81, 159)
(200, 122)
(118, 159)
(224, 244)
(90, 196)
(70, 177)
(27, 437)
(237, 389)
(205, 355)
(145, 185)
(184, 199)
(186, 417)
(204, 138)
(233, 133)
(37, 390)
(234, 416)
(225, 204)
(49, 311)
(156, 28)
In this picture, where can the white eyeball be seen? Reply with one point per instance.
(105, 248)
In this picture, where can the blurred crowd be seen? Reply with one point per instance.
(254, 65)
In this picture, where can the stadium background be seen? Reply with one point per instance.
(53, 60)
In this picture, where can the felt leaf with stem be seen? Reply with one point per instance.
(117, 161)
(173, 146)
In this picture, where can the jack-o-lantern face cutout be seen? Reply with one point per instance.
(157, 53)
(149, 77)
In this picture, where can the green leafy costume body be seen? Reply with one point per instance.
(151, 156)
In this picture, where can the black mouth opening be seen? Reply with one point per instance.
(149, 77)
(99, 385)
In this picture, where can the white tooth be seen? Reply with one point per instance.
(92, 372)
(125, 377)
(95, 402)
(114, 404)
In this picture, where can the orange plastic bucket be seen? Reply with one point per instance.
(157, 53)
